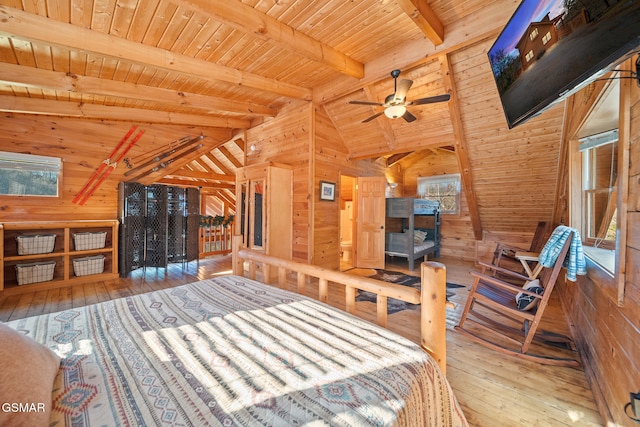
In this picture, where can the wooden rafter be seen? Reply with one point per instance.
(486, 24)
(173, 164)
(227, 154)
(190, 183)
(226, 196)
(209, 176)
(461, 150)
(257, 24)
(424, 17)
(395, 158)
(30, 27)
(239, 140)
(65, 82)
(16, 104)
(225, 170)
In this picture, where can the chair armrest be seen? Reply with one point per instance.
(528, 256)
(511, 248)
(502, 270)
(497, 282)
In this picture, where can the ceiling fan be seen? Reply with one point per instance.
(395, 105)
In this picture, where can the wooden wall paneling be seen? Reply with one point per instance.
(82, 144)
(330, 163)
(632, 289)
(286, 139)
(624, 128)
(605, 331)
(514, 192)
(608, 344)
(329, 160)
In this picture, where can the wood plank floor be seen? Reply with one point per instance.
(493, 389)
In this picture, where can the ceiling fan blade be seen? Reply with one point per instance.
(430, 100)
(366, 103)
(408, 117)
(402, 89)
(373, 117)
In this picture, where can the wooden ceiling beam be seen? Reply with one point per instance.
(461, 147)
(225, 170)
(210, 186)
(15, 104)
(228, 199)
(174, 164)
(240, 142)
(209, 176)
(425, 18)
(395, 158)
(30, 27)
(486, 23)
(227, 154)
(65, 82)
(245, 18)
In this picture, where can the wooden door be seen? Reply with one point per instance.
(369, 244)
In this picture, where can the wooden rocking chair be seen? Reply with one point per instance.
(512, 330)
(507, 253)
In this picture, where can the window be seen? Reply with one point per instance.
(599, 184)
(29, 175)
(533, 34)
(529, 56)
(442, 188)
(546, 38)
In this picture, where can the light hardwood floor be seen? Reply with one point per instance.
(493, 389)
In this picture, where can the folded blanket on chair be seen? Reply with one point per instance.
(574, 261)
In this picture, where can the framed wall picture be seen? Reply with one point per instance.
(327, 190)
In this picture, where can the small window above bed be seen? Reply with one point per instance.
(442, 188)
(29, 175)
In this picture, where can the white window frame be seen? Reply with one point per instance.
(441, 188)
(27, 167)
(589, 189)
(529, 56)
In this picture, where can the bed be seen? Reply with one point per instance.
(412, 229)
(234, 351)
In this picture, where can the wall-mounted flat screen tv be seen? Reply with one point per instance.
(551, 48)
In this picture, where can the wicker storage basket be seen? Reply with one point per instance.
(35, 272)
(88, 265)
(36, 244)
(89, 240)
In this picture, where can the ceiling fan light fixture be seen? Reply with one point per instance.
(395, 111)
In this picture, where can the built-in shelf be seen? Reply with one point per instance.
(64, 253)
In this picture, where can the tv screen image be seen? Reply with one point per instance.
(551, 48)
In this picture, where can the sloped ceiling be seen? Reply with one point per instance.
(224, 66)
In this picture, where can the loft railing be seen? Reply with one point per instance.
(215, 239)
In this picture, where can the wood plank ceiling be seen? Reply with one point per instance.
(231, 65)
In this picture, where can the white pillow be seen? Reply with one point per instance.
(419, 236)
(527, 302)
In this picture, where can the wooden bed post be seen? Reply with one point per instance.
(433, 313)
(237, 263)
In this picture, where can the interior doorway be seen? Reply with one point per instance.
(347, 227)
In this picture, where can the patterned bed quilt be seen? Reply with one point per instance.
(230, 351)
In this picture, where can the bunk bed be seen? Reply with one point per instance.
(412, 228)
